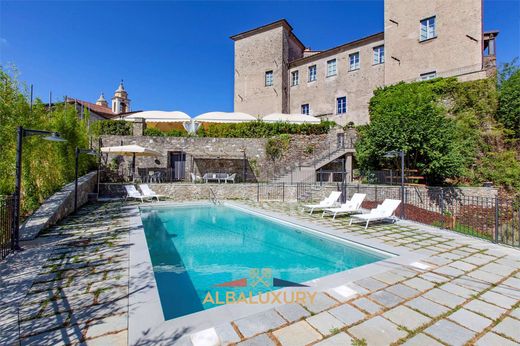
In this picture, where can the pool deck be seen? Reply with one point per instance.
(75, 284)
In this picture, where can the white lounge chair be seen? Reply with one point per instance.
(350, 207)
(195, 178)
(383, 211)
(131, 192)
(149, 193)
(326, 203)
(230, 178)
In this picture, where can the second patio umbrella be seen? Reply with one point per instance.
(130, 150)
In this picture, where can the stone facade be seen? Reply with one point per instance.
(457, 49)
(224, 155)
(357, 84)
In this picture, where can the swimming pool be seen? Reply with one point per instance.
(195, 248)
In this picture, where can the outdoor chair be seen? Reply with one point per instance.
(149, 193)
(326, 203)
(195, 178)
(131, 192)
(350, 207)
(383, 211)
(230, 178)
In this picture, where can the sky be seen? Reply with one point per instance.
(178, 55)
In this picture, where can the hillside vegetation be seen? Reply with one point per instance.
(46, 166)
(453, 132)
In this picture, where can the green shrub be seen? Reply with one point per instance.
(259, 129)
(112, 127)
(502, 168)
(509, 104)
(154, 132)
(46, 166)
(408, 117)
(275, 146)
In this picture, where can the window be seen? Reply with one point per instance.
(429, 75)
(305, 109)
(354, 61)
(428, 29)
(269, 78)
(331, 67)
(312, 73)
(295, 78)
(342, 105)
(379, 55)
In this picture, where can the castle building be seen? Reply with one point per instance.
(422, 39)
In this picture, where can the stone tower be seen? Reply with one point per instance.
(101, 101)
(120, 101)
(438, 38)
(262, 56)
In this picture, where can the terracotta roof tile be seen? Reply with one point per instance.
(101, 110)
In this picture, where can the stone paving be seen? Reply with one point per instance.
(78, 291)
(469, 294)
(74, 290)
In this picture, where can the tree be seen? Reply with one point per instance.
(509, 104)
(409, 117)
(46, 166)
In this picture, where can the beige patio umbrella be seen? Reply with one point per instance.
(130, 150)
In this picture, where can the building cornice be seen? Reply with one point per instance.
(279, 23)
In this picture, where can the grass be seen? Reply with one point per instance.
(359, 342)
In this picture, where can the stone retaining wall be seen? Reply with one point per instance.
(252, 192)
(58, 206)
(302, 148)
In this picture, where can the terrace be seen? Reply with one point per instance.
(76, 283)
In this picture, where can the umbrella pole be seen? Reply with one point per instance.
(133, 167)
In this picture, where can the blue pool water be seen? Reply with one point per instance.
(194, 248)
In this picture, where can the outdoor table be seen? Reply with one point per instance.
(214, 177)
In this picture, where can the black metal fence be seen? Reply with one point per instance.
(6, 224)
(492, 218)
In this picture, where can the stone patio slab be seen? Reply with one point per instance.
(406, 317)
(450, 333)
(492, 339)
(292, 312)
(422, 340)
(325, 323)
(259, 323)
(489, 310)
(470, 320)
(340, 339)
(347, 314)
(509, 327)
(377, 331)
(427, 307)
(300, 333)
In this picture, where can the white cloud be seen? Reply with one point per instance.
(3, 41)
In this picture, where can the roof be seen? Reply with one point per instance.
(281, 22)
(491, 32)
(101, 110)
(335, 50)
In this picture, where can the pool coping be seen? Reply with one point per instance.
(146, 319)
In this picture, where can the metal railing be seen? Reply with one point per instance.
(334, 148)
(6, 225)
(213, 197)
(492, 218)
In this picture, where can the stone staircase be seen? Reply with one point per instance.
(306, 173)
